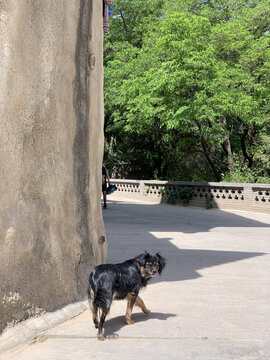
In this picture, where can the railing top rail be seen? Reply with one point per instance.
(124, 181)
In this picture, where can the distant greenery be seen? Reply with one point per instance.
(185, 194)
(187, 90)
(173, 197)
(161, 190)
(208, 202)
(147, 189)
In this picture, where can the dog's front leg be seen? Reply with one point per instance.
(139, 302)
(131, 298)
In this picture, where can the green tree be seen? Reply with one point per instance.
(187, 89)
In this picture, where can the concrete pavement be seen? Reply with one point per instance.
(211, 303)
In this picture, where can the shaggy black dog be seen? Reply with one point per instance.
(121, 281)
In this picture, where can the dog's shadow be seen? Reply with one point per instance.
(115, 324)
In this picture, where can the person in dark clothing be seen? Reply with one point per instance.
(105, 177)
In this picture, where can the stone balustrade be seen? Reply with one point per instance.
(250, 197)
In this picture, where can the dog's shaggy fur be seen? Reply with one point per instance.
(121, 281)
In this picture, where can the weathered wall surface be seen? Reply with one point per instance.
(51, 148)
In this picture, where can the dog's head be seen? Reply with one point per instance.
(150, 265)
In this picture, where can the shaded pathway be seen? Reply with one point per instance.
(211, 302)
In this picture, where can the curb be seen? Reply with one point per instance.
(26, 331)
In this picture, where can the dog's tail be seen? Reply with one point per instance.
(89, 291)
(90, 299)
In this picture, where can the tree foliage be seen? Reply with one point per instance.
(187, 90)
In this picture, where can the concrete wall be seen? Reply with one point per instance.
(51, 149)
(249, 197)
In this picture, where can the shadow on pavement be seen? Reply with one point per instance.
(115, 324)
(129, 228)
(190, 261)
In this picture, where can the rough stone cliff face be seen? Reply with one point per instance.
(51, 149)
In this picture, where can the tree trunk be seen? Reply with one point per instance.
(112, 142)
(244, 148)
(210, 162)
(227, 145)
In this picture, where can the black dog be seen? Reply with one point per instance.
(121, 281)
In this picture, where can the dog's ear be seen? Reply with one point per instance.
(161, 263)
(141, 259)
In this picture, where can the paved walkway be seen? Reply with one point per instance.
(211, 303)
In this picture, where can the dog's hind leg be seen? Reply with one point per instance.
(139, 302)
(94, 309)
